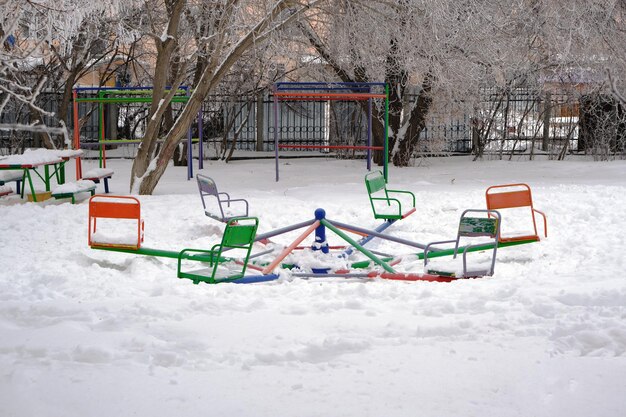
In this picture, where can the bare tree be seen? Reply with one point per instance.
(238, 27)
(47, 44)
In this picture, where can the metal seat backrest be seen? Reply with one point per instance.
(101, 206)
(114, 207)
(206, 186)
(520, 197)
(478, 226)
(238, 235)
(509, 199)
(375, 182)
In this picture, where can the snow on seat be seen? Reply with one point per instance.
(485, 228)
(383, 204)
(9, 176)
(125, 227)
(98, 174)
(219, 208)
(5, 190)
(517, 202)
(70, 189)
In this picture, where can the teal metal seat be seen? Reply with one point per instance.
(238, 236)
(383, 205)
(470, 227)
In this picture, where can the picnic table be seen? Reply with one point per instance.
(52, 161)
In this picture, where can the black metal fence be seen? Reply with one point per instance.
(524, 120)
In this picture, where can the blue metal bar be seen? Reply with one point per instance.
(366, 239)
(276, 133)
(251, 279)
(320, 233)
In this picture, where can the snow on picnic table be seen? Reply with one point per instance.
(88, 332)
(74, 187)
(40, 156)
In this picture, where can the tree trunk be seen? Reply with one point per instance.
(417, 123)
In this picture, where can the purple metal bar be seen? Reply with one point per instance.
(330, 275)
(276, 132)
(376, 234)
(251, 279)
(369, 132)
(283, 230)
(189, 152)
(200, 134)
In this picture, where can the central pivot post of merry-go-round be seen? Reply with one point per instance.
(320, 232)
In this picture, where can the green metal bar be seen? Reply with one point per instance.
(386, 145)
(486, 246)
(100, 132)
(366, 264)
(37, 172)
(448, 252)
(161, 253)
(46, 170)
(30, 183)
(360, 248)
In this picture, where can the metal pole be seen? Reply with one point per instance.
(276, 131)
(366, 239)
(380, 235)
(283, 230)
(79, 165)
(189, 151)
(356, 245)
(369, 130)
(386, 146)
(331, 275)
(290, 248)
(103, 162)
(251, 279)
(200, 140)
(320, 233)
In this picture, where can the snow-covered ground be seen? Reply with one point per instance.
(94, 333)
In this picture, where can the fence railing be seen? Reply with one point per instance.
(523, 120)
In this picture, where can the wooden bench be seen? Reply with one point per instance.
(10, 176)
(508, 196)
(115, 207)
(98, 174)
(71, 189)
(380, 197)
(470, 227)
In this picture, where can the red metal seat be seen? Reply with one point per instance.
(508, 196)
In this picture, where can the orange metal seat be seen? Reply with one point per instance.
(506, 196)
(115, 207)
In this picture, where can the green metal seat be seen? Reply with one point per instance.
(380, 198)
(238, 236)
